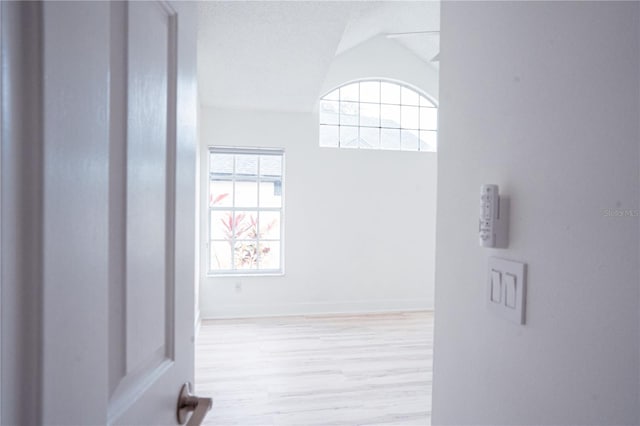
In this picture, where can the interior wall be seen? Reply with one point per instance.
(359, 224)
(381, 57)
(542, 99)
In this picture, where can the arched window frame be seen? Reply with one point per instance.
(347, 116)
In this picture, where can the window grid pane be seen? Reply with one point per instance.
(238, 242)
(378, 114)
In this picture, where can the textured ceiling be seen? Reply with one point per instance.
(275, 54)
(388, 17)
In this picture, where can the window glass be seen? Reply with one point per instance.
(389, 93)
(409, 97)
(428, 118)
(370, 115)
(350, 92)
(370, 91)
(333, 96)
(390, 116)
(409, 117)
(370, 137)
(329, 112)
(329, 136)
(349, 112)
(390, 139)
(348, 137)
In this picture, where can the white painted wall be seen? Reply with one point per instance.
(359, 226)
(542, 99)
(382, 58)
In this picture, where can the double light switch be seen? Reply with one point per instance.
(506, 290)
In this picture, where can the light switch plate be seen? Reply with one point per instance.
(496, 286)
(513, 287)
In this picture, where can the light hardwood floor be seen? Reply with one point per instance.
(347, 370)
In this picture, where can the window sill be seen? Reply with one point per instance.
(257, 275)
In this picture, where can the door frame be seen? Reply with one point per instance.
(1, 125)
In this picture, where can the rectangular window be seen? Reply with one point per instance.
(246, 211)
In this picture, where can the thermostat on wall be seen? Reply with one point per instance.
(492, 225)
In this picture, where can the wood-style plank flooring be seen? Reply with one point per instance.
(342, 370)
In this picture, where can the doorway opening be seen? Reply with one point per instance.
(341, 331)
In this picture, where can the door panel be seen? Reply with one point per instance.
(74, 216)
(147, 249)
(146, 339)
(119, 268)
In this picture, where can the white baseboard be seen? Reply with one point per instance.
(316, 308)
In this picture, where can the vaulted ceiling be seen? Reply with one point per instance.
(274, 55)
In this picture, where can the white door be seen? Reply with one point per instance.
(117, 211)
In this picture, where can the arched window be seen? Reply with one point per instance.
(378, 114)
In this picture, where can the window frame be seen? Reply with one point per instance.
(228, 150)
(380, 104)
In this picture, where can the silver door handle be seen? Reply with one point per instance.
(187, 403)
